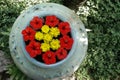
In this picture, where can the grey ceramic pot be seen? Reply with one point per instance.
(40, 71)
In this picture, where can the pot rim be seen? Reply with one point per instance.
(40, 64)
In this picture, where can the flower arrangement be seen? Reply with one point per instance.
(48, 39)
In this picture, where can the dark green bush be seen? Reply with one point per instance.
(8, 14)
(9, 11)
(103, 59)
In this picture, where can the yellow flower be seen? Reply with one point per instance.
(47, 38)
(54, 31)
(55, 44)
(45, 28)
(38, 36)
(45, 47)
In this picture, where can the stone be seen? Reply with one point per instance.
(4, 61)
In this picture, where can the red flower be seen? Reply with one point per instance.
(64, 28)
(49, 57)
(28, 34)
(52, 20)
(33, 48)
(36, 23)
(66, 42)
(61, 53)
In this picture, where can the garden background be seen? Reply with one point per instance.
(102, 17)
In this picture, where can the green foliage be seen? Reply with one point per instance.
(9, 11)
(15, 73)
(57, 1)
(102, 60)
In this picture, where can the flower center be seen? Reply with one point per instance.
(34, 48)
(63, 27)
(49, 55)
(66, 40)
(37, 22)
(29, 33)
(61, 53)
(51, 21)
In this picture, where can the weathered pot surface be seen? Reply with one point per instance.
(40, 71)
